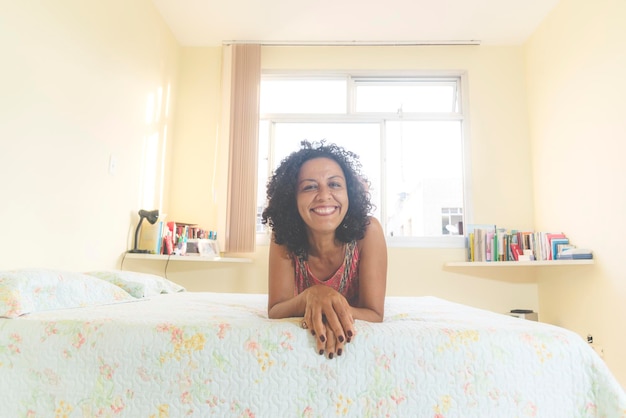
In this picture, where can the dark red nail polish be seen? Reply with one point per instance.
(322, 338)
(321, 351)
(313, 332)
(341, 338)
(349, 333)
(330, 356)
(339, 352)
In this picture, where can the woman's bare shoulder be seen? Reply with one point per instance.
(374, 227)
(374, 234)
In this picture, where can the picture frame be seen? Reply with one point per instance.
(208, 248)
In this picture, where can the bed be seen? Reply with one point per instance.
(147, 348)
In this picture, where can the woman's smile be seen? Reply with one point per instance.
(325, 210)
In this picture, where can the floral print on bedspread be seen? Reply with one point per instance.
(201, 355)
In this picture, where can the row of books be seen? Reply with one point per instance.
(490, 243)
(170, 237)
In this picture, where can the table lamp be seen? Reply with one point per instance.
(151, 216)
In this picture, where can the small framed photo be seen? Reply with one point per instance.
(208, 248)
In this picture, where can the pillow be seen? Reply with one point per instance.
(35, 290)
(139, 285)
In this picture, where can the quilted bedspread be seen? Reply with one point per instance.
(211, 354)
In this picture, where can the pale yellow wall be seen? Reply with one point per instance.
(576, 66)
(194, 195)
(501, 177)
(75, 78)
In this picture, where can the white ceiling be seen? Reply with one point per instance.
(214, 22)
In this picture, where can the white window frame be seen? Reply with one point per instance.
(446, 241)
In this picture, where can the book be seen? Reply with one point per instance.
(550, 248)
(168, 244)
(477, 241)
(516, 251)
(554, 243)
(512, 246)
(489, 245)
(150, 235)
(501, 244)
(576, 254)
(159, 237)
(526, 240)
(562, 247)
(470, 246)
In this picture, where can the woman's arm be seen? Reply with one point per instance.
(372, 274)
(315, 301)
(319, 305)
(282, 301)
(328, 312)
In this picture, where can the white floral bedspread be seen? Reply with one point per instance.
(210, 354)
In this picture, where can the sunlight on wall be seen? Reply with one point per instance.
(150, 155)
(154, 150)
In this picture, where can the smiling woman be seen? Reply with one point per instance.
(328, 258)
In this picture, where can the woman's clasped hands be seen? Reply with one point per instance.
(328, 317)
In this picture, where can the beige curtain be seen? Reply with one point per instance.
(245, 80)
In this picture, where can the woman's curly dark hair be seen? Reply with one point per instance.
(281, 213)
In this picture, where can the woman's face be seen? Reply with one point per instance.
(322, 195)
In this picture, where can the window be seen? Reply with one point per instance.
(408, 131)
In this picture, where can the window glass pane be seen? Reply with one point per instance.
(409, 98)
(263, 169)
(424, 176)
(303, 96)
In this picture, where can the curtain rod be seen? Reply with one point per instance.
(355, 43)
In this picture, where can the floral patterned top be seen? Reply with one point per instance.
(345, 280)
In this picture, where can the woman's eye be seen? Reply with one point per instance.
(335, 185)
(309, 187)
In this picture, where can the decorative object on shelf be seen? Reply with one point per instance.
(208, 248)
(201, 247)
(151, 216)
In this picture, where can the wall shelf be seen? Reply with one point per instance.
(187, 258)
(517, 263)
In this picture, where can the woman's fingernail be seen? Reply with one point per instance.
(322, 338)
(330, 356)
(339, 352)
(349, 333)
(341, 338)
(313, 332)
(349, 339)
(321, 351)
